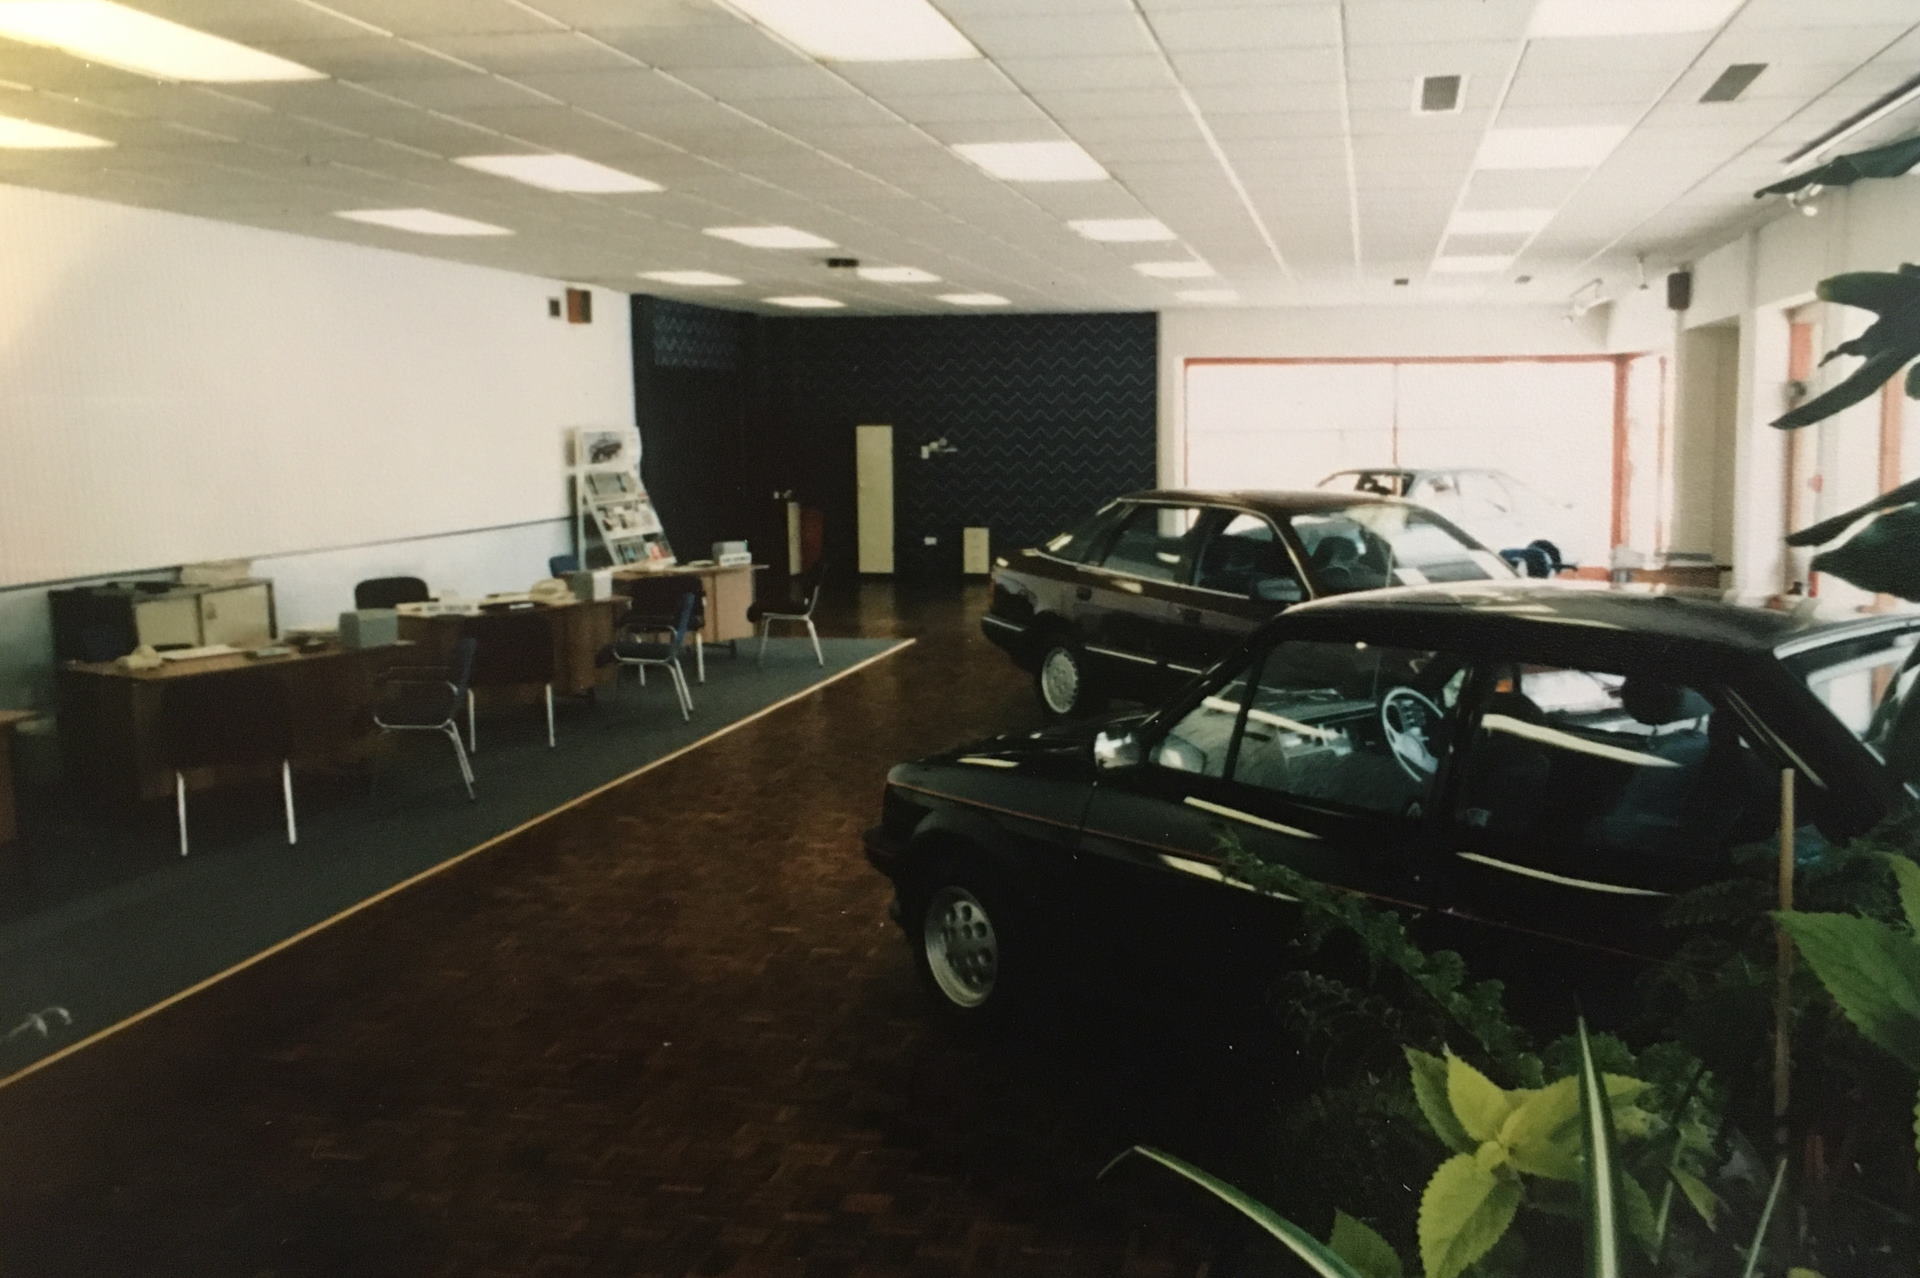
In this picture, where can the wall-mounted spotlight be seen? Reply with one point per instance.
(940, 447)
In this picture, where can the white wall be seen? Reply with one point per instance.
(1312, 332)
(175, 389)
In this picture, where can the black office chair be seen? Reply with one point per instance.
(799, 607)
(231, 718)
(561, 565)
(640, 644)
(386, 592)
(656, 605)
(429, 699)
(516, 648)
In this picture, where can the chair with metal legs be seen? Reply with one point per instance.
(656, 604)
(228, 719)
(516, 649)
(429, 699)
(639, 645)
(806, 593)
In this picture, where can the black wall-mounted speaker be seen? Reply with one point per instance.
(1679, 290)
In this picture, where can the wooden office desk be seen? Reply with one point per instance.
(578, 630)
(110, 719)
(729, 595)
(8, 826)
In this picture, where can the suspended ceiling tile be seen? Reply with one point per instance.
(753, 84)
(1059, 35)
(528, 52)
(1270, 27)
(1405, 61)
(1437, 21)
(1258, 66)
(457, 93)
(367, 56)
(1141, 71)
(443, 17)
(1006, 106)
(888, 80)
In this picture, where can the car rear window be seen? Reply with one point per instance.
(1868, 684)
(1365, 547)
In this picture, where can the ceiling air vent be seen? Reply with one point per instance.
(1439, 94)
(1733, 82)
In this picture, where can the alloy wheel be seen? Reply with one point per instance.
(963, 951)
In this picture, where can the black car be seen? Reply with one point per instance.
(1158, 586)
(1538, 766)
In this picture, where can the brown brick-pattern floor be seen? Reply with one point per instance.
(669, 1032)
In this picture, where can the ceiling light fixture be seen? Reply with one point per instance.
(974, 299)
(690, 279)
(896, 275)
(1573, 19)
(1871, 114)
(1121, 230)
(100, 31)
(1576, 147)
(1033, 161)
(862, 30)
(1182, 270)
(770, 237)
(422, 222)
(1213, 295)
(1471, 263)
(25, 135)
(805, 302)
(1498, 221)
(559, 173)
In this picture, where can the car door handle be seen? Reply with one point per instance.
(1191, 615)
(1083, 592)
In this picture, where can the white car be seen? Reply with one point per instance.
(1497, 509)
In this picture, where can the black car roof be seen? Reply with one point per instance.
(1698, 620)
(1270, 501)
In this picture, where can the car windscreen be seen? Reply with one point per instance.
(1370, 545)
(1868, 683)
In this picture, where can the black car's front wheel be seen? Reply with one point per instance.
(1065, 681)
(966, 943)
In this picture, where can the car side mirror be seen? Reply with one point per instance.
(1280, 590)
(1117, 751)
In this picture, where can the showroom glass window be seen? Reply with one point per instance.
(1350, 725)
(1153, 541)
(1078, 542)
(1868, 684)
(1244, 556)
(1611, 768)
(1387, 544)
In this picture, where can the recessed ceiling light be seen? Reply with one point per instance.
(1577, 147)
(862, 30)
(1472, 263)
(690, 279)
(1207, 295)
(1122, 230)
(770, 237)
(1183, 270)
(975, 299)
(1497, 221)
(1033, 161)
(1553, 19)
(897, 275)
(422, 222)
(805, 303)
(558, 173)
(25, 135)
(100, 31)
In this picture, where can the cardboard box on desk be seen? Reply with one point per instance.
(369, 628)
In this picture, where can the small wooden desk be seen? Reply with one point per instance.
(8, 720)
(729, 594)
(578, 629)
(110, 719)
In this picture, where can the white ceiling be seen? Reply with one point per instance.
(1275, 138)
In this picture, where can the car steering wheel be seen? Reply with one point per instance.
(1408, 718)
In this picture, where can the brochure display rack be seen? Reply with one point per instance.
(614, 521)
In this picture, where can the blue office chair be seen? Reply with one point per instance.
(561, 565)
(429, 699)
(635, 648)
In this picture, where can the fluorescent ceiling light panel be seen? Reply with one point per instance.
(1033, 161)
(1183, 270)
(1556, 19)
(422, 222)
(559, 173)
(1207, 295)
(1122, 230)
(25, 135)
(100, 31)
(690, 279)
(974, 299)
(896, 275)
(862, 30)
(1471, 263)
(805, 303)
(1498, 221)
(770, 237)
(1576, 147)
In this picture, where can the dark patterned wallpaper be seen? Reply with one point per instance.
(688, 336)
(1051, 414)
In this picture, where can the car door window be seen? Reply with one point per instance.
(1244, 556)
(1609, 769)
(1201, 742)
(1380, 544)
(1082, 540)
(1152, 544)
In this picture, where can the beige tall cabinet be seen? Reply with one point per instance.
(873, 475)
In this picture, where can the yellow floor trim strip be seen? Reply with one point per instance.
(447, 864)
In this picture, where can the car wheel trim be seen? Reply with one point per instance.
(1060, 680)
(962, 948)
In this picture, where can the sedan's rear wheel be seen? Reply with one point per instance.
(1064, 678)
